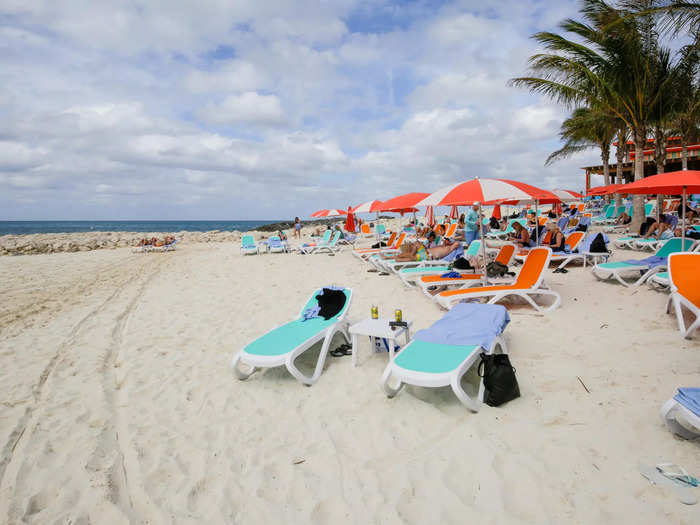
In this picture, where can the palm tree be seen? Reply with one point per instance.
(587, 128)
(608, 64)
(686, 108)
(621, 150)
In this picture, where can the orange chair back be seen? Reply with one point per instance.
(684, 273)
(505, 254)
(547, 237)
(392, 238)
(532, 267)
(399, 241)
(580, 207)
(542, 221)
(573, 239)
(365, 229)
(451, 230)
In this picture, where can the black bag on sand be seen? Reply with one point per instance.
(380, 244)
(500, 384)
(598, 245)
(496, 269)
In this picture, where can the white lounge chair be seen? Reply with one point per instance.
(284, 343)
(431, 364)
(529, 283)
(621, 269)
(684, 278)
(248, 245)
(677, 413)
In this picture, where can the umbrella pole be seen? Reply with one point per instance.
(683, 223)
(537, 223)
(483, 247)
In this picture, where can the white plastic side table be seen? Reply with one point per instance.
(378, 328)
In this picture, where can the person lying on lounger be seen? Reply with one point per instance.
(624, 218)
(415, 251)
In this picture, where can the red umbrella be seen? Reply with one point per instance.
(403, 202)
(454, 212)
(368, 207)
(350, 222)
(671, 183)
(328, 213)
(485, 191)
(430, 216)
(605, 190)
(567, 195)
(496, 214)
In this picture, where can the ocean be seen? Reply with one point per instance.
(27, 227)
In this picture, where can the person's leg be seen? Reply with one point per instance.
(651, 230)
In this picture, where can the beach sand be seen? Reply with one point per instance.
(119, 404)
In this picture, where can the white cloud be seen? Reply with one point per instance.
(210, 105)
(246, 108)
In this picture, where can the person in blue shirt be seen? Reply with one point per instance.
(471, 224)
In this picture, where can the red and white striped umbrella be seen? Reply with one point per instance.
(368, 207)
(486, 191)
(328, 213)
(567, 195)
(403, 202)
(430, 216)
(454, 212)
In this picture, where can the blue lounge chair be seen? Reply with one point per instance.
(283, 344)
(442, 354)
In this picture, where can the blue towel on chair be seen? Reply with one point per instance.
(451, 275)
(450, 257)
(690, 399)
(650, 262)
(467, 324)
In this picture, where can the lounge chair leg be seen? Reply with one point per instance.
(456, 383)
(386, 378)
(241, 374)
(668, 416)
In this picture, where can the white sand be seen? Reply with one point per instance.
(119, 405)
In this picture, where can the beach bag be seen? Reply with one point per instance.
(598, 245)
(644, 228)
(462, 264)
(380, 244)
(582, 228)
(496, 269)
(500, 384)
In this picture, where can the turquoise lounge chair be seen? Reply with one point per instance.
(430, 364)
(607, 214)
(276, 245)
(248, 246)
(283, 344)
(617, 270)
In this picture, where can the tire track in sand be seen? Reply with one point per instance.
(13, 449)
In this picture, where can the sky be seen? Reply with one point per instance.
(223, 110)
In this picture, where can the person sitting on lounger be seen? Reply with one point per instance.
(520, 237)
(668, 222)
(557, 242)
(624, 218)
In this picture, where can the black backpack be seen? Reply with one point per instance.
(598, 245)
(497, 269)
(500, 384)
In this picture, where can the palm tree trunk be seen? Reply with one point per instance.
(684, 152)
(605, 157)
(660, 159)
(640, 140)
(620, 153)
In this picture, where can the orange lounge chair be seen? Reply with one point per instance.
(572, 241)
(389, 242)
(428, 283)
(530, 282)
(365, 254)
(684, 278)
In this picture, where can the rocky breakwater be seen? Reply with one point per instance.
(85, 241)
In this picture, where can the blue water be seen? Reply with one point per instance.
(26, 227)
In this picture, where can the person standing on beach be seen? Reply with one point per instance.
(297, 227)
(471, 223)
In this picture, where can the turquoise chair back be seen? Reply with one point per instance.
(648, 208)
(380, 228)
(326, 236)
(473, 249)
(336, 238)
(248, 241)
(674, 245)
